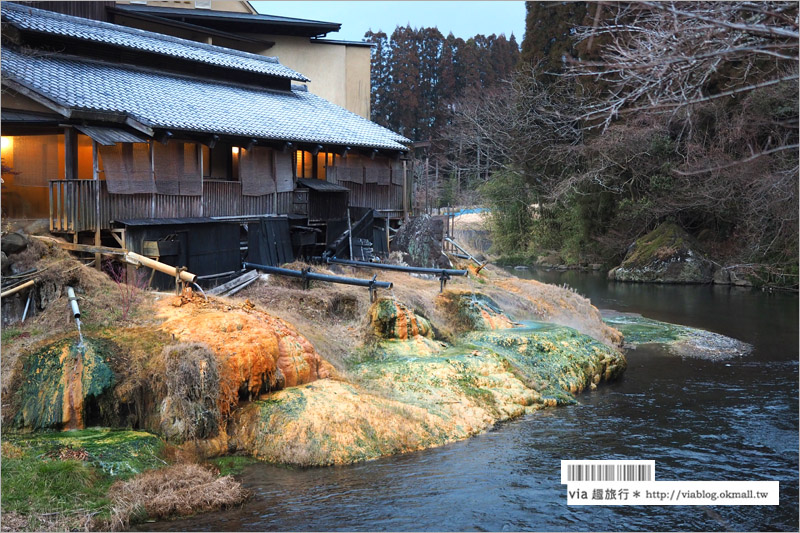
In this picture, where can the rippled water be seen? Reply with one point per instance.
(699, 420)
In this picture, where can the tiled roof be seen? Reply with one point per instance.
(171, 101)
(28, 18)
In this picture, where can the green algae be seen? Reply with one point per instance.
(69, 473)
(640, 330)
(115, 452)
(232, 465)
(679, 340)
(63, 369)
(556, 362)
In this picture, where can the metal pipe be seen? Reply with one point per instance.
(220, 275)
(398, 268)
(73, 302)
(27, 305)
(136, 259)
(307, 275)
(469, 255)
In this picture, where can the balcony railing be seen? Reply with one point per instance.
(73, 204)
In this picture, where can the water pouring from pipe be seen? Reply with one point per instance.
(76, 312)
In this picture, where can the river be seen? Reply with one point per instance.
(699, 420)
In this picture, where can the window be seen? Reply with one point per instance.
(309, 166)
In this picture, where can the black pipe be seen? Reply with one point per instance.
(398, 268)
(306, 275)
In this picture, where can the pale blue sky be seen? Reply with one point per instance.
(463, 18)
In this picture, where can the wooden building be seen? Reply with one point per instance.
(104, 123)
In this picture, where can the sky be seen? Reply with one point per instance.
(464, 18)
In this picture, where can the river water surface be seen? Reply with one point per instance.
(699, 420)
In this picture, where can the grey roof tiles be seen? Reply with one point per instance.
(164, 100)
(28, 18)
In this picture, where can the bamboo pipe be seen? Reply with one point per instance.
(18, 288)
(136, 259)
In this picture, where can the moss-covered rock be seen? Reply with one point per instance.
(63, 384)
(665, 255)
(390, 319)
(420, 241)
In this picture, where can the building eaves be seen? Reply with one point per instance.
(26, 18)
(186, 26)
(346, 43)
(242, 21)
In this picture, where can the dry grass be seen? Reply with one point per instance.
(190, 409)
(77, 521)
(334, 316)
(178, 490)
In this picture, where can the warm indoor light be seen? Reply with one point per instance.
(235, 150)
(7, 142)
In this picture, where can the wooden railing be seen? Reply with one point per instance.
(386, 198)
(73, 204)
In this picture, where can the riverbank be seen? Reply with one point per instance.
(697, 418)
(294, 376)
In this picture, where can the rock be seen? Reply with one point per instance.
(721, 276)
(738, 278)
(473, 311)
(391, 319)
(665, 255)
(6, 264)
(256, 352)
(14, 243)
(63, 384)
(596, 266)
(420, 240)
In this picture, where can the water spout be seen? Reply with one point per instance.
(76, 312)
(196, 286)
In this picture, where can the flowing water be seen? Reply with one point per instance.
(80, 333)
(699, 420)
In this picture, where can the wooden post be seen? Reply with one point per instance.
(427, 205)
(405, 191)
(275, 178)
(436, 176)
(70, 154)
(70, 173)
(350, 233)
(96, 180)
(199, 149)
(388, 242)
(153, 177)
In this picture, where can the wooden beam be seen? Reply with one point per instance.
(18, 288)
(119, 236)
(88, 248)
(21, 89)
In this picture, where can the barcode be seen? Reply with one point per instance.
(636, 470)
